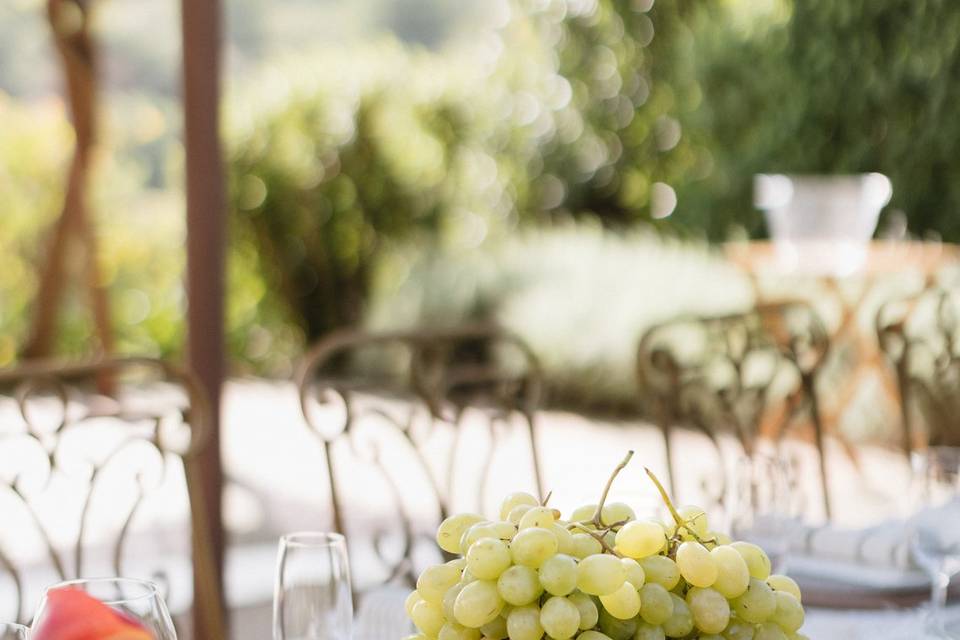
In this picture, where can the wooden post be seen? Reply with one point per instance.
(206, 238)
(70, 22)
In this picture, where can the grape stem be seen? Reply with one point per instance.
(673, 511)
(598, 537)
(544, 502)
(597, 522)
(666, 498)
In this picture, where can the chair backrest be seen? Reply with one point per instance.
(82, 473)
(415, 417)
(750, 374)
(920, 335)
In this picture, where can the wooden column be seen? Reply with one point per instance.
(206, 239)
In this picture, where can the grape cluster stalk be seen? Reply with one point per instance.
(601, 574)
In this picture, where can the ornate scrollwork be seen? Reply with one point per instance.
(750, 374)
(61, 440)
(433, 380)
(920, 335)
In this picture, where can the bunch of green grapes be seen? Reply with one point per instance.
(601, 574)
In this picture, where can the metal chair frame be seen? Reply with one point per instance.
(722, 388)
(73, 388)
(437, 381)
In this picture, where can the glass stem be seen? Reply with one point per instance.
(938, 600)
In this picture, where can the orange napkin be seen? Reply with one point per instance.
(72, 614)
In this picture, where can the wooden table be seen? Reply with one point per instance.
(881, 259)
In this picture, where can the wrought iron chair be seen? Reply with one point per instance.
(920, 335)
(403, 426)
(67, 449)
(751, 375)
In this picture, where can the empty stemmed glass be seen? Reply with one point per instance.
(313, 598)
(934, 528)
(136, 601)
(13, 631)
(762, 504)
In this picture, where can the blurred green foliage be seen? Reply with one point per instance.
(556, 115)
(825, 86)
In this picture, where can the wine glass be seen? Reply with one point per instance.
(136, 601)
(762, 505)
(313, 599)
(934, 528)
(13, 631)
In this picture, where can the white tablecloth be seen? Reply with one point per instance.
(824, 624)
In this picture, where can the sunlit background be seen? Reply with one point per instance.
(382, 154)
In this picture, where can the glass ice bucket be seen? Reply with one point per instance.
(821, 224)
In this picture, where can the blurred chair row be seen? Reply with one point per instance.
(450, 409)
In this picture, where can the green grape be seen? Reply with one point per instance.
(428, 617)
(517, 512)
(587, 608)
(600, 574)
(503, 529)
(720, 538)
(711, 636)
(610, 539)
(495, 630)
(680, 622)
(779, 582)
(560, 618)
(531, 547)
(623, 603)
(565, 544)
(486, 529)
(515, 499)
(451, 530)
(477, 604)
(467, 576)
(454, 631)
(661, 570)
(416, 636)
(458, 563)
(635, 573)
(543, 517)
(769, 631)
(789, 613)
(640, 538)
(449, 598)
(656, 605)
(558, 575)
(411, 600)
(757, 561)
(585, 545)
(615, 628)
(592, 635)
(473, 533)
(584, 513)
(710, 610)
(615, 512)
(523, 623)
(757, 603)
(732, 573)
(519, 585)
(694, 520)
(738, 630)
(696, 564)
(435, 580)
(488, 558)
(797, 636)
(649, 632)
